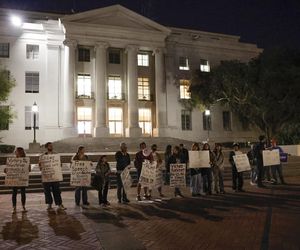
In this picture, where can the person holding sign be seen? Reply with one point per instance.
(237, 177)
(218, 169)
(206, 172)
(20, 153)
(81, 191)
(123, 160)
(102, 175)
(277, 168)
(53, 186)
(258, 154)
(196, 178)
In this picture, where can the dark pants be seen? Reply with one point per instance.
(102, 192)
(237, 179)
(207, 179)
(78, 191)
(260, 173)
(14, 196)
(278, 169)
(55, 189)
(120, 189)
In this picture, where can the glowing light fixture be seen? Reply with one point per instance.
(207, 112)
(16, 21)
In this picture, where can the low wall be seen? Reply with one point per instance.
(291, 149)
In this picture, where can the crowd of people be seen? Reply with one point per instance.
(203, 181)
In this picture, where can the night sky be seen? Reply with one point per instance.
(268, 23)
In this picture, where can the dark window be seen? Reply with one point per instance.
(4, 50)
(186, 120)
(32, 80)
(114, 57)
(206, 122)
(32, 51)
(226, 120)
(4, 125)
(83, 55)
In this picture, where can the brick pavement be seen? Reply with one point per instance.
(258, 219)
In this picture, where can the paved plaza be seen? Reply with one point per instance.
(257, 219)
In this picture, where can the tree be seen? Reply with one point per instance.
(263, 92)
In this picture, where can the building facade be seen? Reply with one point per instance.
(111, 72)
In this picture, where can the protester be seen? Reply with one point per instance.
(51, 188)
(20, 153)
(81, 191)
(156, 157)
(218, 169)
(184, 153)
(206, 172)
(267, 169)
(237, 177)
(196, 178)
(102, 175)
(252, 160)
(277, 169)
(258, 154)
(123, 160)
(168, 154)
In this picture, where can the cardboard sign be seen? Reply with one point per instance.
(17, 172)
(51, 168)
(271, 157)
(199, 159)
(148, 174)
(241, 162)
(158, 176)
(80, 173)
(177, 175)
(126, 179)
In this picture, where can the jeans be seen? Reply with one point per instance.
(102, 192)
(266, 173)
(55, 189)
(260, 169)
(207, 179)
(14, 195)
(218, 179)
(253, 174)
(237, 179)
(196, 183)
(278, 169)
(120, 189)
(78, 191)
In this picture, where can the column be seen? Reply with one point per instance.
(101, 129)
(133, 129)
(160, 93)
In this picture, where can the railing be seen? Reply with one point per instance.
(146, 97)
(116, 97)
(84, 96)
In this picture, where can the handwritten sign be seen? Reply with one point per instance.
(51, 168)
(126, 179)
(148, 174)
(199, 159)
(17, 172)
(158, 176)
(241, 162)
(271, 157)
(177, 175)
(80, 173)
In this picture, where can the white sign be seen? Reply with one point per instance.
(241, 162)
(158, 176)
(50, 168)
(148, 174)
(80, 173)
(271, 157)
(199, 159)
(177, 175)
(126, 179)
(17, 172)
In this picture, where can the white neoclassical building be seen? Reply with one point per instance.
(111, 72)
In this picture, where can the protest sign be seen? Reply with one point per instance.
(177, 175)
(271, 157)
(241, 162)
(199, 159)
(148, 174)
(158, 176)
(126, 179)
(50, 168)
(80, 173)
(17, 172)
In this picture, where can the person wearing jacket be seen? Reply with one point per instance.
(196, 178)
(258, 154)
(277, 169)
(237, 177)
(102, 175)
(156, 157)
(218, 169)
(207, 172)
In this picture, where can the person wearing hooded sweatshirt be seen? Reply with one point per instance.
(218, 169)
(207, 172)
(196, 178)
(237, 177)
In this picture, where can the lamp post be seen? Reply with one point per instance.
(34, 109)
(207, 114)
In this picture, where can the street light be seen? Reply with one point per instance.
(34, 109)
(207, 114)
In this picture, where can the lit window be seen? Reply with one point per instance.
(114, 87)
(4, 124)
(184, 63)
(83, 55)
(29, 118)
(145, 121)
(184, 89)
(32, 51)
(32, 80)
(226, 120)
(115, 120)
(84, 120)
(204, 65)
(186, 120)
(143, 88)
(206, 121)
(143, 60)
(84, 85)
(4, 50)
(114, 56)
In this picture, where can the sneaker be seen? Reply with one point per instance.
(138, 198)
(252, 183)
(49, 207)
(14, 210)
(107, 203)
(86, 204)
(24, 209)
(61, 207)
(126, 200)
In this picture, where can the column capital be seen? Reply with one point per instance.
(157, 51)
(71, 43)
(101, 45)
(132, 48)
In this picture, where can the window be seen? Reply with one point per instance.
(32, 82)
(204, 65)
(4, 125)
(4, 50)
(186, 120)
(143, 88)
(83, 55)
(114, 87)
(84, 120)
(226, 120)
(115, 120)
(184, 89)
(184, 63)
(114, 57)
(206, 121)
(84, 85)
(29, 118)
(145, 121)
(32, 51)
(143, 60)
